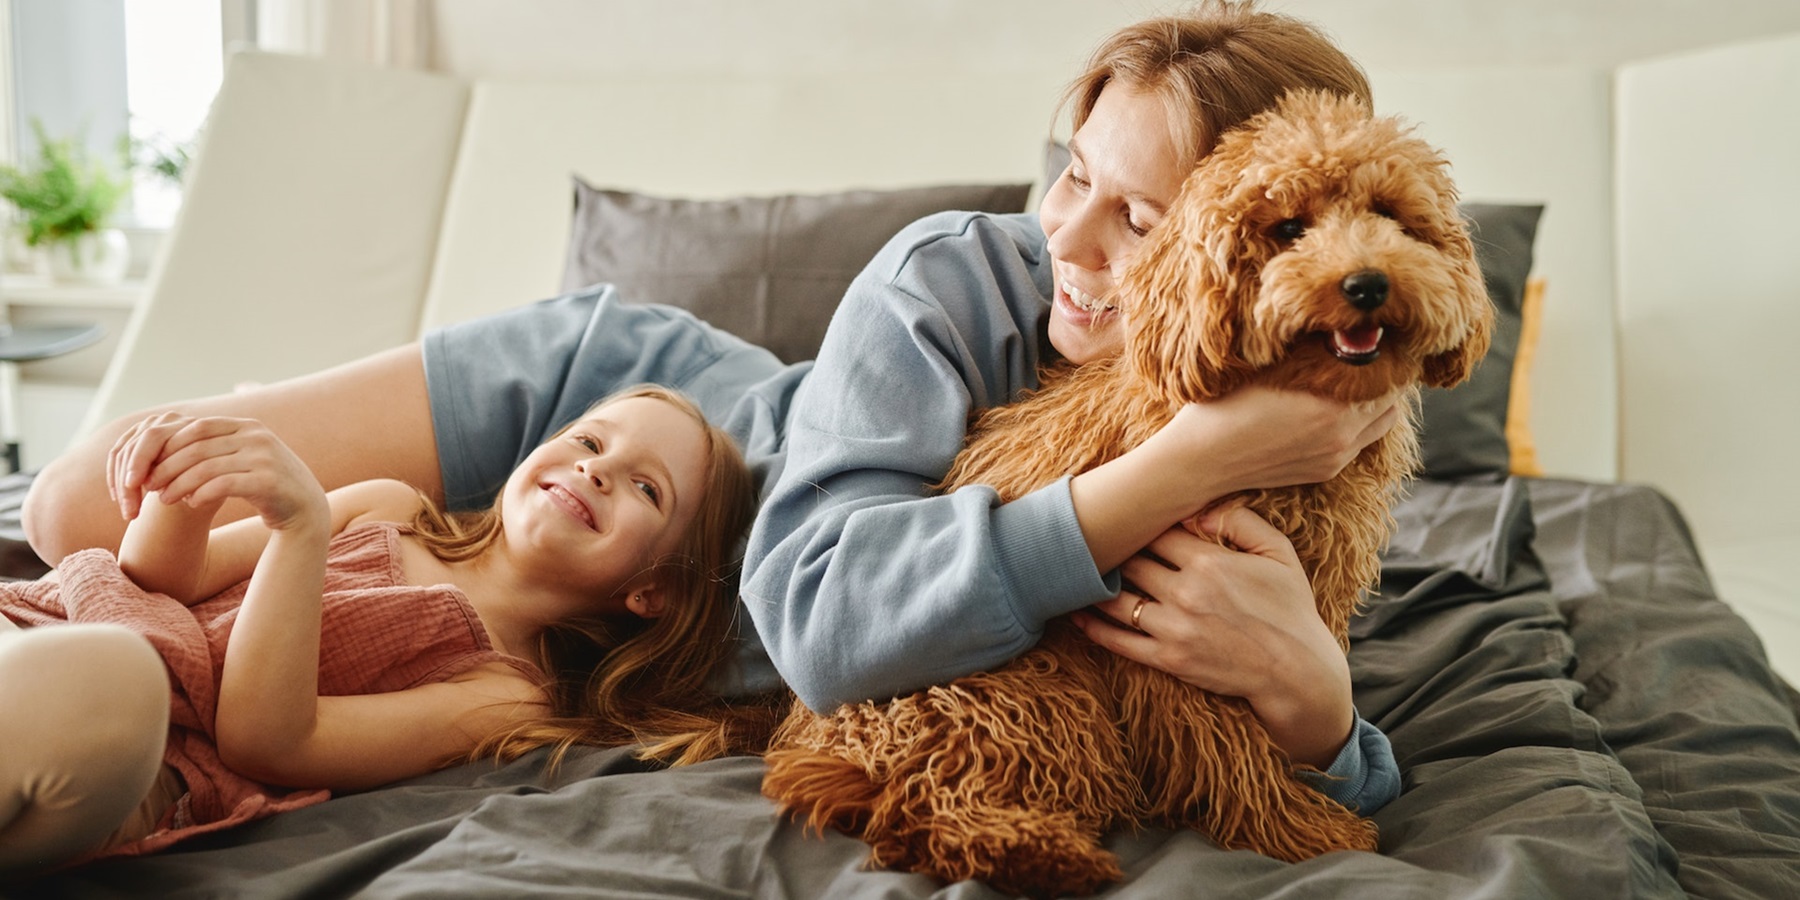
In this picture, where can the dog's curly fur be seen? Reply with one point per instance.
(1013, 776)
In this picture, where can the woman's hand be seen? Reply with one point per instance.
(1231, 611)
(202, 462)
(1261, 437)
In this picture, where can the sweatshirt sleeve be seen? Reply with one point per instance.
(1364, 777)
(862, 581)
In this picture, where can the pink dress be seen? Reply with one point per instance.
(379, 634)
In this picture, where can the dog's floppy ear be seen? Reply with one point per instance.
(1183, 318)
(1453, 366)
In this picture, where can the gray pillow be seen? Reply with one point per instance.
(768, 269)
(1463, 429)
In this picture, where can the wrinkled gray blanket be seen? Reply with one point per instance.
(1575, 714)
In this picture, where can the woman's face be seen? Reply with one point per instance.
(1124, 172)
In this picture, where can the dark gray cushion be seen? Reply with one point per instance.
(1463, 429)
(17, 561)
(768, 269)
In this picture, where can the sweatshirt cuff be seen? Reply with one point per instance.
(1364, 777)
(1045, 558)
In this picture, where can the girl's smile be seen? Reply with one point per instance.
(577, 507)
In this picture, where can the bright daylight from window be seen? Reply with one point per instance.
(173, 66)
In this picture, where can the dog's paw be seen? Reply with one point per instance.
(819, 790)
(1017, 852)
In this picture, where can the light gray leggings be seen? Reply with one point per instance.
(84, 717)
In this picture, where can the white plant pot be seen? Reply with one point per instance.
(95, 257)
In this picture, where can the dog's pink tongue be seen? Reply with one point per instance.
(1360, 339)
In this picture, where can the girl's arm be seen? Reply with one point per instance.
(231, 550)
(269, 687)
(359, 742)
(170, 545)
(269, 702)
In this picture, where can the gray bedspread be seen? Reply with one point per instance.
(1575, 713)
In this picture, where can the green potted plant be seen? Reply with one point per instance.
(66, 203)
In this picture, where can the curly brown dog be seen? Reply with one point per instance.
(1317, 249)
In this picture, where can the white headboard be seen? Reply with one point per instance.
(506, 219)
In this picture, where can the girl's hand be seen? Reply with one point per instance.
(1260, 437)
(1231, 611)
(131, 457)
(204, 462)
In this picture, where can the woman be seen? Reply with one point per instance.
(860, 584)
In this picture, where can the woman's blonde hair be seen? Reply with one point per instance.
(622, 679)
(1216, 66)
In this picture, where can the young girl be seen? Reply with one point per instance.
(375, 639)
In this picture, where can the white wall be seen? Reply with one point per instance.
(1709, 303)
(1541, 134)
(569, 37)
(1709, 269)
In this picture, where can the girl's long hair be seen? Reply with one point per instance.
(622, 679)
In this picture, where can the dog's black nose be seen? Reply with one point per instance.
(1366, 290)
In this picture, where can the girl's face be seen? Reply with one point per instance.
(608, 496)
(1124, 172)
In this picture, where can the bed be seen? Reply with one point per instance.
(1575, 712)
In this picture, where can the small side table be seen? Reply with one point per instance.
(24, 343)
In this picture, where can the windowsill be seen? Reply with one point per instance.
(36, 290)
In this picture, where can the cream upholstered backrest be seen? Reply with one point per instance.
(306, 232)
(337, 210)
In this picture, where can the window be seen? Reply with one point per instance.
(102, 69)
(173, 64)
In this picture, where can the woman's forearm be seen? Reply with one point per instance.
(1124, 504)
(1254, 437)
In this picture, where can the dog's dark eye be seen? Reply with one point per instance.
(1387, 212)
(1288, 230)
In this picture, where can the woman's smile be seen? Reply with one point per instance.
(1081, 308)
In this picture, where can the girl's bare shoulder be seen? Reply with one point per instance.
(504, 683)
(376, 500)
